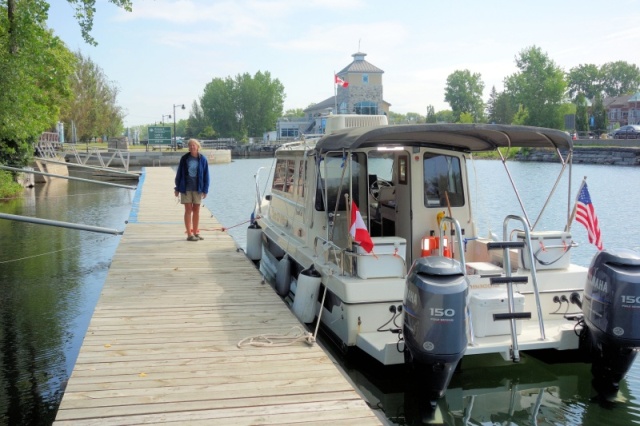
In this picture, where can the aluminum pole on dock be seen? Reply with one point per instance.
(15, 169)
(60, 224)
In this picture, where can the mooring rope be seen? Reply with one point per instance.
(295, 335)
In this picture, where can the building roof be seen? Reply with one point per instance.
(360, 65)
(635, 98)
(616, 100)
(327, 103)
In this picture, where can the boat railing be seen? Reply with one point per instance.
(456, 225)
(345, 257)
(330, 245)
(389, 272)
(532, 262)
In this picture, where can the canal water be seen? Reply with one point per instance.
(51, 279)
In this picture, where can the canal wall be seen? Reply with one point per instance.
(611, 156)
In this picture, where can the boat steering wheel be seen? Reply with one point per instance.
(374, 188)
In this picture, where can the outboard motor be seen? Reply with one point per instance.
(434, 329)
(611, 310)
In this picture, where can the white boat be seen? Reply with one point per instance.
(433, 290)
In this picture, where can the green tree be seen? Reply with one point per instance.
(600, 120)
(196, 122)
(431, 114)
(466, 118)
(93, 108)
(396, 118)
(521, 116)
(620, 78)
(504, 109)
(463, 92)
(586, 79)
(244, 106)
(539, 87)
(491, 104)
(414, 117)
(34, 70)
(444, 116)
(219, 108)
(582, 116)
(294, 113)
(260, 99)
(85, 10)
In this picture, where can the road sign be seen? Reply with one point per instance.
(159, 135)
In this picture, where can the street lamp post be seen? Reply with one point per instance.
(175, 136)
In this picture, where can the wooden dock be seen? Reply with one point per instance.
(162, 345)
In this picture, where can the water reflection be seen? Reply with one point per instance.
(490, 391)
(51, 279)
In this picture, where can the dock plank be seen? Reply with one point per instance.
(163, 347)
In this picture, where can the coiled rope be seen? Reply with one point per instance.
(295, 335)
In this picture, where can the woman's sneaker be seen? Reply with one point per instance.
(192, 238)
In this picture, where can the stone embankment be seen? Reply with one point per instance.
(609, 152)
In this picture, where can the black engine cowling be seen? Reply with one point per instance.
(435, 320)
(611, 310)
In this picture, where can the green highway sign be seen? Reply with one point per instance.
(159, 135)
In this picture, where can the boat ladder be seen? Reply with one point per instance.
(509, 280)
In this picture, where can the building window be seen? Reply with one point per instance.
(342, 109)
(366, 108)
(365, 78)
(289, 133)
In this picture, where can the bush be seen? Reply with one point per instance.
(9, 188)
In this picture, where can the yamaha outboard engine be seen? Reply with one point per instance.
(611, 310)
(434, 329)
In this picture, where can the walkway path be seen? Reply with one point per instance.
(162, 346)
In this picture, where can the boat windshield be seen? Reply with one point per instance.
(442, 180)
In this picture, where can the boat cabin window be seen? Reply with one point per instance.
(286, 179)
(442, 176)
(338, 183)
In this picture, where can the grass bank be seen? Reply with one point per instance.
(8, 187)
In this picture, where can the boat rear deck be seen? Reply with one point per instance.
(162, 345)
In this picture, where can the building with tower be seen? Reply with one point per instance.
(358, 90)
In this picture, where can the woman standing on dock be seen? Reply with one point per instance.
(192, 183)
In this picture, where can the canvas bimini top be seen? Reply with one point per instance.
(459, 137)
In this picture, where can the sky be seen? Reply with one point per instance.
(166, 51)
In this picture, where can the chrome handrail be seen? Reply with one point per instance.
(455, 223)
(534, 277)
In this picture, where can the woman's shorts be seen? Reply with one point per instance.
(191, 197)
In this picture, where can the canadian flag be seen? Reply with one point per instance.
(341, 82)
(358, 229)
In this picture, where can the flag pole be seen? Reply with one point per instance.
(575, 205)
(335, 94)
(348, 205)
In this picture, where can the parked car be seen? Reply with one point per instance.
(632, 131)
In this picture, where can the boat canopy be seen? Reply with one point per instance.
(460, 137)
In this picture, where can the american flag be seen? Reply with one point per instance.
(586, 215)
